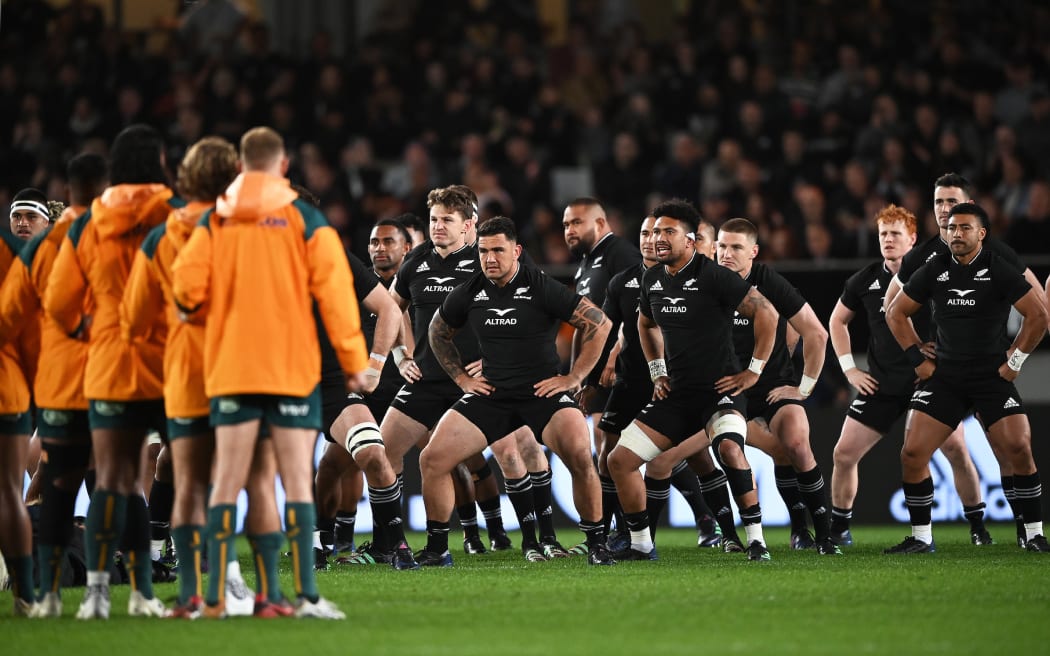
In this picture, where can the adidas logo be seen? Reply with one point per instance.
(631, 284)
(657, 287)
(481, 296)
(1011, 403)
(565, 398)
(858, 402)
(875, 285)
(423, 267)
(725, 400)
(943, 277)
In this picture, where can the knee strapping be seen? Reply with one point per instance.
(362, 436)
(730, 427)
(637, 442)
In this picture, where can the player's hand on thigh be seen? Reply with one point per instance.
(555, 385)
(783, 392)
(475, 385)
(1006, 373)
(736, 383)
(661, 387)
(925, 370)
(473, 368)
(862, 381)
(409, 370)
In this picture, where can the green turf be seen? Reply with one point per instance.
(963, 599)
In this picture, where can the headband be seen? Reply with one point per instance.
(32, 205)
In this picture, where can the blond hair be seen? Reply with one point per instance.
(208, 167)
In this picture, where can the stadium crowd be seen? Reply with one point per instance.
(806, 130)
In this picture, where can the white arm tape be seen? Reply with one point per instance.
(1016, 359)
(400, 353)
(756, 366)
(846, 362)
(805, 388)
(657, 368)
(378, 357)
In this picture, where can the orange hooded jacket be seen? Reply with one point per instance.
(259, 260)
(14, 390)
(96, 258)
(148, 294)
(59, 383)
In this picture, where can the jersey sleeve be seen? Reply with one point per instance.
(731, 288)
(643, 297)
(1009, 279)
(558, 299)
(191, 272)
(910, 263)
(18, 300)
(66, 288)
(782, 294)
(143, 299)
(404, 276)
(611, 307)
(851, 292)
(456, 306)
(920, 285)
(364, 280)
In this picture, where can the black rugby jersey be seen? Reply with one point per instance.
(694, 310)
(516, 325)
(425, 280)
(611, 255)
(971, 305)
(364, 282)
(787, 301)
(621, 306)
(865, 290)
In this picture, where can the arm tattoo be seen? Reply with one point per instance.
(587, 318)
(444, 348)
(752, 303)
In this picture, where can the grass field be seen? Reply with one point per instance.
(961, 600)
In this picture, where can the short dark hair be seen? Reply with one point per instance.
(586, 201)
(396, 224)
(30, 193)
(455, 199)
(679, 209)
(741, 227)
(411, 222)
(135, 157)
(88, 174)
(955, 180)
(971, 209)
(498, 225)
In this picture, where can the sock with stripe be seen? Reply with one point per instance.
(386, 508)
(787, 485)
(918, 497)
(266, 548)
(815, 496)
(221, 534)
(657, 493)
(103, 527)
(519, 491)
(543, 500)
(298, 520)
(188, 550)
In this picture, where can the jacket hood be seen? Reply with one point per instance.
(71, 213)
(253, 194)
(126, 208)
(183, 220)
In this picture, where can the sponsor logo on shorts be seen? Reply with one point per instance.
(725, 400)
(565, 398)
(293, 409)
(108, 408)
(57, 417)
(354, 396)
(229, 406)
(182, 421)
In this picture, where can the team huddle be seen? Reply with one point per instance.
(226, 316)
